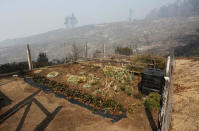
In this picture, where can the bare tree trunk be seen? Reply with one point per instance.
(29, 58)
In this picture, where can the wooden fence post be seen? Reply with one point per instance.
(104, 50)
(29, 58)
(168, 66)
(65, 57)
(86, 50)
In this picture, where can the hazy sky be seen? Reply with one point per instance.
(20, 18)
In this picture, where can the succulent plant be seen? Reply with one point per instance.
(74, 79)
(52, 74)
(37, 71)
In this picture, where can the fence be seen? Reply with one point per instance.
(164, 119)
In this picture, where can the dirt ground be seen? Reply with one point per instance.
(51, 113)
(186, 96)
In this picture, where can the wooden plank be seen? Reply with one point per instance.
(29, 58)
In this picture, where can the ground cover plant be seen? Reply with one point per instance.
(152, 102)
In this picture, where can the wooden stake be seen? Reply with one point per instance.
(29, 58)
(104, 50)
(65, 57)
(86, 50)
(168, 66)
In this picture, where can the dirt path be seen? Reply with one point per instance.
(31, 108)
(186, 96)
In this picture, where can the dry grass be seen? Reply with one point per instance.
(186, 95)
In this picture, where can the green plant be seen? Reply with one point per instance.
(122, 88)
(153, 101)
(138, 96)
(109, 103)
(125, 90)
(130, 110)
(146, 61)
(118, 73)
(92, 79)
(86, 86)
(89, 99)
(96, 102)
(120, 107)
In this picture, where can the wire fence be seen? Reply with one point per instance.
(12, 54)
(164, 119)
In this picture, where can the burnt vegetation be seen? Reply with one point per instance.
(124, 51)
(181, 8)
(191, 47)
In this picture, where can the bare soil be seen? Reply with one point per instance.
(70, 118)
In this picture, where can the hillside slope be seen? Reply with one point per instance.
(149, 35)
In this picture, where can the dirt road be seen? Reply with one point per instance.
(186, 96)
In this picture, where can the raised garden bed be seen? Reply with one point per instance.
(101, 86)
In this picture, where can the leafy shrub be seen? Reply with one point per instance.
(157, 61)
(13, 67)
(152, 101)
(109, 103)
(42, 58)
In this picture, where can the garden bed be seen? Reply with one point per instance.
(107, 88)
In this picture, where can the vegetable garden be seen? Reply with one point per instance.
(106, 86)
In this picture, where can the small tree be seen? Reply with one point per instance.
(42, 58)
(71, 21)
(67, 20)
